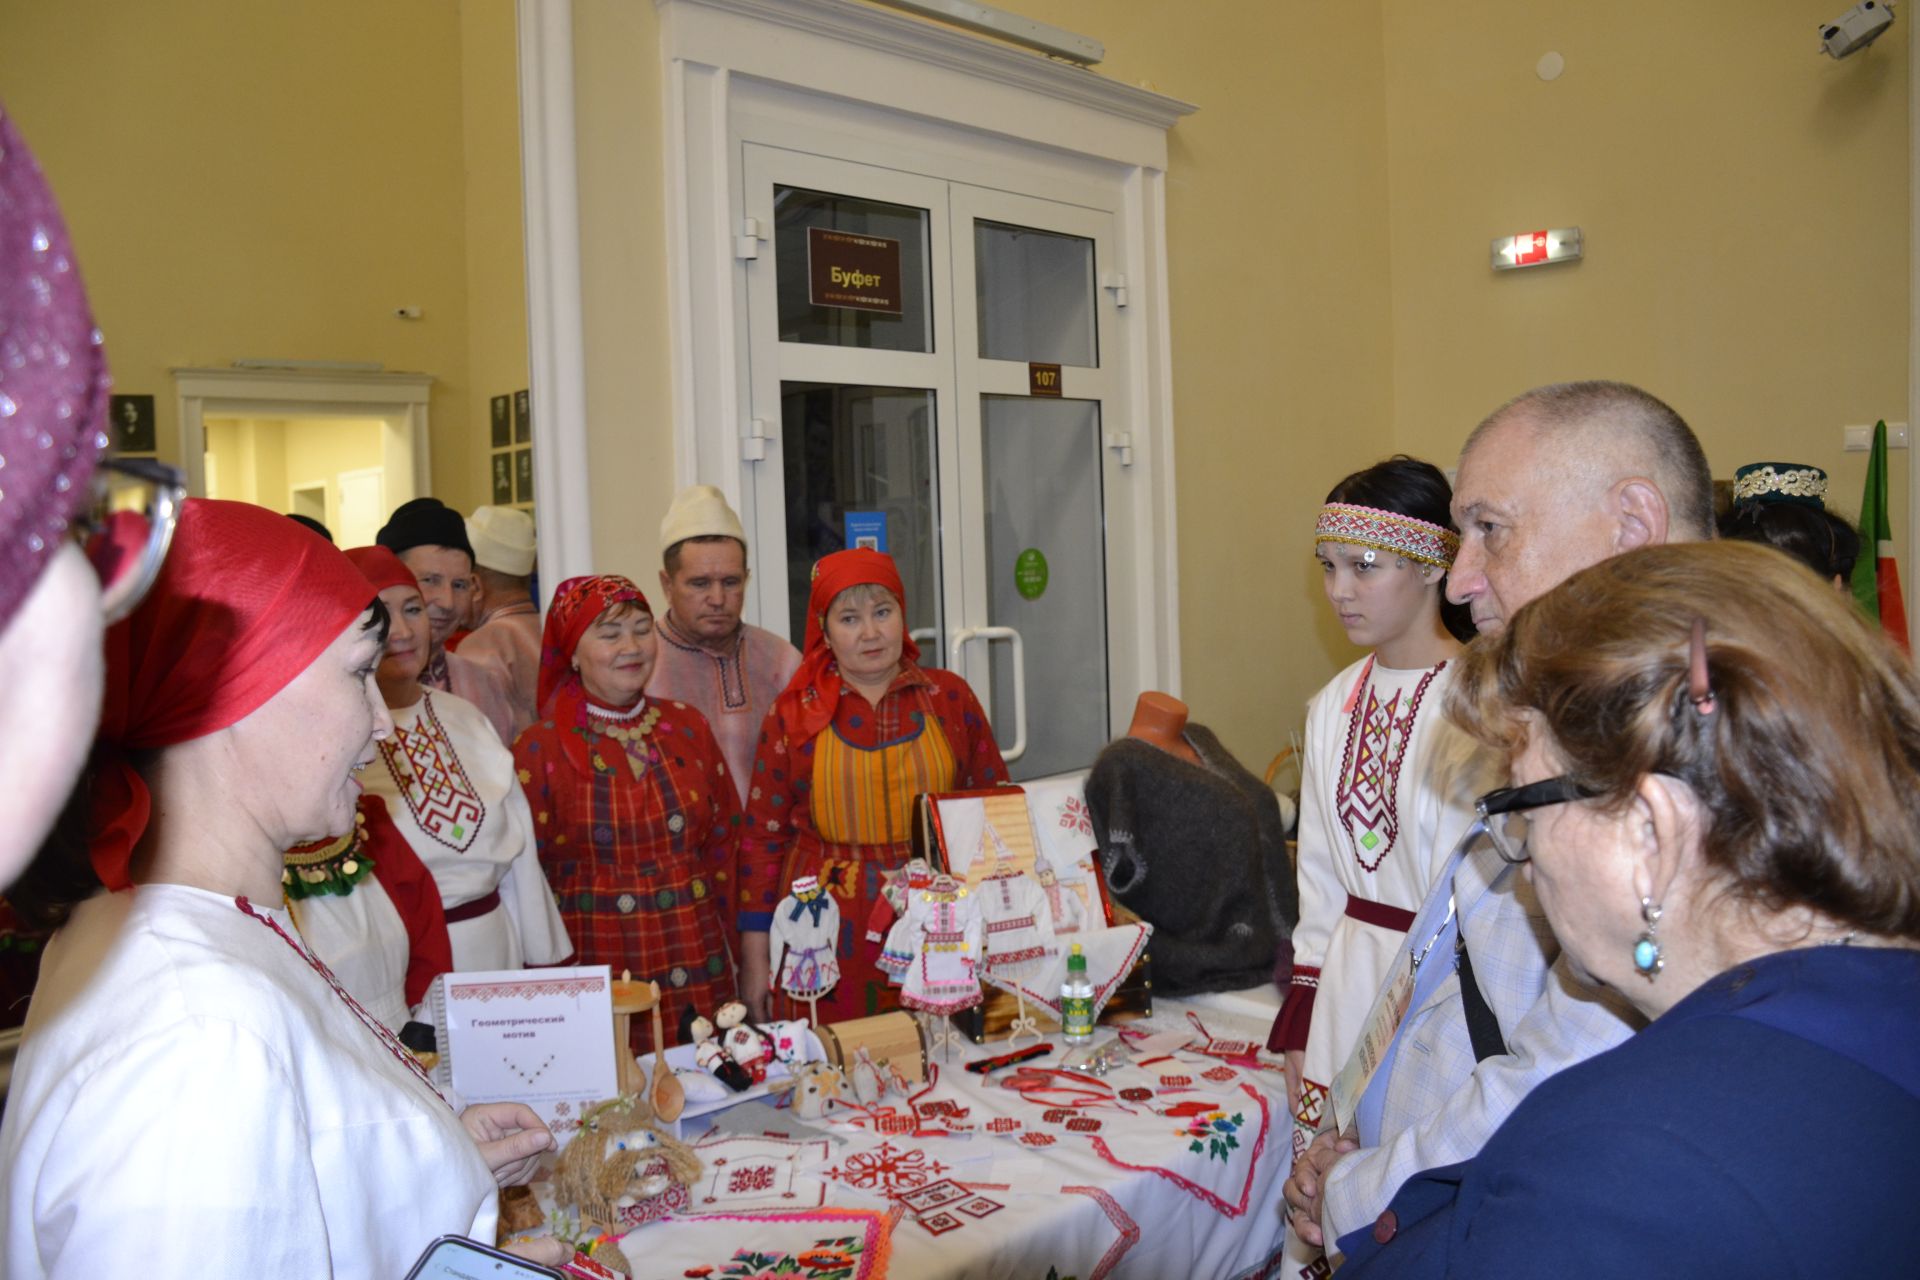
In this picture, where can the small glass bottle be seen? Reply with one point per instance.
(1076, 1000)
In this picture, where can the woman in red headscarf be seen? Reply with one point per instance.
(450, 784)
(636, 818)
(197, 1094)
(859, 731)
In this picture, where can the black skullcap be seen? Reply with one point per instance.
(312, 524)
(424, 522)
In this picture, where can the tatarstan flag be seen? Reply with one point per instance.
(1876, 578)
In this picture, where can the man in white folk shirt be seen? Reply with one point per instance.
(506, 629)
(1558, 479)
(728, 670)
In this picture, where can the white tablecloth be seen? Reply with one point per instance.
(1181, 1177)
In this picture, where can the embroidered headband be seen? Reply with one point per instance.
(1418, 540)
(1779, 482)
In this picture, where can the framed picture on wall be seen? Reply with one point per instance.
(502, 478)
(523, 475)
(133, 424)
(502, 421)
(522, 417)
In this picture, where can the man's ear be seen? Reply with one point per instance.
(666, 582)
(1640, 512)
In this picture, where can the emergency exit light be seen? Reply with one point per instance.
(1536, 248)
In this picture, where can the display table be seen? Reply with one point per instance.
(1169, 1165)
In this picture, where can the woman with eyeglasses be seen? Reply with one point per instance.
(1717, 796)
(197, 1094)
(1387, 785)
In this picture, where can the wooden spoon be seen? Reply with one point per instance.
(669, 1096)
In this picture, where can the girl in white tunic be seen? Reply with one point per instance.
(1388, 784)
(451, 787)
(196, 1096)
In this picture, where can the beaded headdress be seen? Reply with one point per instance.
(1779, 482)
(1419, 540)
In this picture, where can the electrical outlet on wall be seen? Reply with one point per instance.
(1860, 439)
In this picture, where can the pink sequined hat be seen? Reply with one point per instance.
(53, 376)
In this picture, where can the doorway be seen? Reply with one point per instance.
(329, 469)
(935, 363)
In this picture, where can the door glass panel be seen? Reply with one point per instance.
(874, 312)
(1035, 291)
(859, 465)
(1047, 575)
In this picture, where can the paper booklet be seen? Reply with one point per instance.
(539, 1036)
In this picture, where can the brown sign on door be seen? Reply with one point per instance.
(858, 272)
(1043, 379)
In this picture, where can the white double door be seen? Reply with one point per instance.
(907, 419)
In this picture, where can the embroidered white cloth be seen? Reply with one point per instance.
(451, 789)
(194, 1100)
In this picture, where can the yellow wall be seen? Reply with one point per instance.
(495, 240)
(623, 235)
(1744, 199)
(273, 180)
(261, 460)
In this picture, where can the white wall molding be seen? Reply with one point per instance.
(857, 26)
(555, 329)
(400, 398)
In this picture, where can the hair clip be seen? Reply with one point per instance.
(1699, 687)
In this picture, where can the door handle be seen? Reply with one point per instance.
(965, 634)
(924, 636)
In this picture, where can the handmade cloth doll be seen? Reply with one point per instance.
(806, 925)
(1019, 928)
(1197, 851)
(617, 1158)
(946, 935)
(1064, 907)
(895, 885)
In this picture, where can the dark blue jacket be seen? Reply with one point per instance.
(1767, 1125)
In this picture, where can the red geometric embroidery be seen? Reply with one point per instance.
(1129, 1230)
(1377, 738)
(887, 1169)
(433, 782)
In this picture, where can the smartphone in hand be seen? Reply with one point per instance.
(458, 1258)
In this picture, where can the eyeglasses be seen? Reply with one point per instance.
(1504, 813)
(127, 528)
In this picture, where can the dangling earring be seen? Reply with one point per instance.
(1646, 952)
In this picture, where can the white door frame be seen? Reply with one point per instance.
(896, 87)
(400, 398)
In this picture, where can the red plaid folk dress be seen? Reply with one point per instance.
(840, 806)
(637, 825)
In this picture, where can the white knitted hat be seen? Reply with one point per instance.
(699, 512)
(502, 540)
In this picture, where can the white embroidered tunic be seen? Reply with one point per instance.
(1388, 788)
(452, 791)
(194, 1100)
(802, 939)
(944, 933)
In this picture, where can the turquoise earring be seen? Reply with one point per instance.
(1646, 952)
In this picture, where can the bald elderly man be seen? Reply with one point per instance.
(1557, 479)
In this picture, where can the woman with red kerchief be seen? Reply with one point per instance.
(196, 1094)
(859, 732)
(449, 782)
(635, 815)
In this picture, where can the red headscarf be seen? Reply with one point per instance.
(382, 568)
(577, 604)
(245, 601)
(813, 695)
